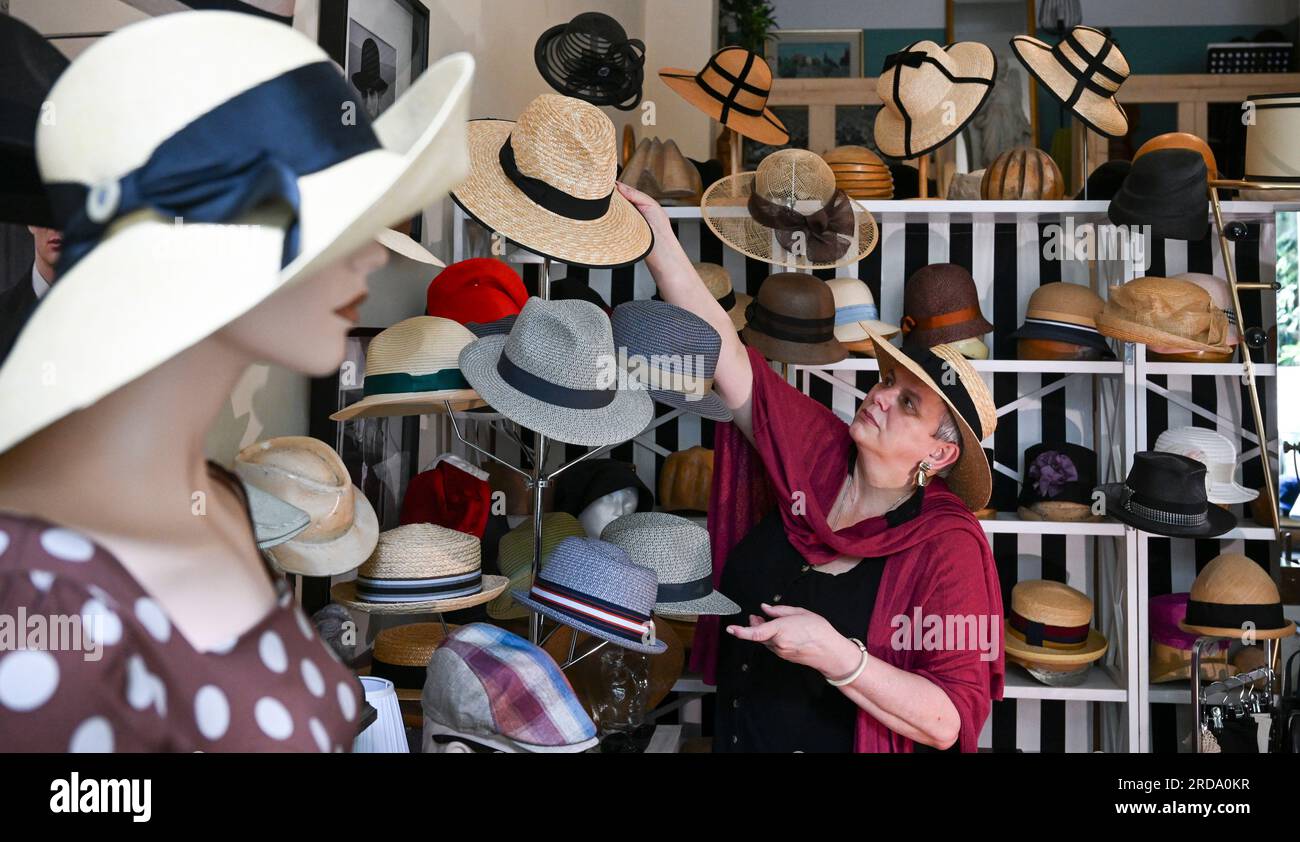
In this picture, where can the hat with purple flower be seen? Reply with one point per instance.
(1058, 482)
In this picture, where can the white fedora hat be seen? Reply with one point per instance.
(1219, 457)
(412, 368)
(308, 474)
(198, 163)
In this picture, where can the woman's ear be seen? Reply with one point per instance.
(943, 455)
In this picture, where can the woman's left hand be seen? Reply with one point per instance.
(801, 637)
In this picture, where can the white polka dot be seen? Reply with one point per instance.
(273, 718)
(304, 624)
(67, 545)
(312, 678)
(347, 701)
(28, 678)
(151, 616)
(211, 712)
(143, 688)
(94, 736)
(4, 541)
(319, 733)
(271, 648)
(100, 624)
(41, 579)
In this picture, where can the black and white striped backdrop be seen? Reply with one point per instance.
(1005, 255)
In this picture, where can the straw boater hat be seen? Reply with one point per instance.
(549, 374)
(789, 213)
(1165, 312)
(401, 655)
(966, 396)
(1230, 592)
(1049, 627)
(515, 558)
(134, 287)
(308, 474)
(856, 313)
(732, 89)
(413, 368)
(930, 93)
(546, 182)
(677, 550)
(1219, 456)
(793, 320)
(420, 568)
(860, 173)
(1084, 71)
(717, 280)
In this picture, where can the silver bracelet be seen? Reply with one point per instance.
(853, 676)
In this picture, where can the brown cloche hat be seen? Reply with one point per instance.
(941, 305)
(793, 320)
(1167, 312)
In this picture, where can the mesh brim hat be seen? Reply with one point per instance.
(591, 58)
(1084, 71)
(677, 550)
(972, 407)
(29, 65)
(1165, 312)
(135, 288)
(1164, 494)
(1048, 626)
(930, 93)
(1219, 456)
(732, 88)
(546, 373)
(546, 183)
(413, 368)
(807, 222)
(592, 586)
(1232, 594)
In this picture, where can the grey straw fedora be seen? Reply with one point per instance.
(677, 550)
(592, 586)
(672, 351)
(556, 373)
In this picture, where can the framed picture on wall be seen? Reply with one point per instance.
(815, 53)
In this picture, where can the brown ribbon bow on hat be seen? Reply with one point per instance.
(827, 233)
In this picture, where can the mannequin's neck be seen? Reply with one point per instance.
(133, 461)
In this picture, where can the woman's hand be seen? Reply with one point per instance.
(647, 207)
(802, 637)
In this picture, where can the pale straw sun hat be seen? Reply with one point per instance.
(1084, 71)
(930, 93)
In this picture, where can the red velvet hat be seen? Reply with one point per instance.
(480, 290)
(448, 496)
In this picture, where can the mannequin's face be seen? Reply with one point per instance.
(603, 510)
(304, 327)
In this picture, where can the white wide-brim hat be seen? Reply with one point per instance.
(1218, 454)
(151, 287)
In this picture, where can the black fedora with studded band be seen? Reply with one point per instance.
(1164, 493)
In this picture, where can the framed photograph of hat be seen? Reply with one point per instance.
(815, 53)
(382, 46)
(381, 454)
(795, 118)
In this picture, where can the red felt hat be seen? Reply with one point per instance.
(448, 496)
(480, 289)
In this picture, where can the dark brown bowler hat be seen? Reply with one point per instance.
(940, 304)
(793, 320)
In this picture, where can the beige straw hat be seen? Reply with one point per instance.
(860, 173)
(717, 280)
(515, 558)
(966, 396)
(401, 654)
(1167, 312)
(732, 89)
(135, 288)
(806, 222)
(1049, 627)
(412, 368)
(1084, 71)
(546, 182)
(420, 568)
(308, 474)
(929, 94)
(1233, 593)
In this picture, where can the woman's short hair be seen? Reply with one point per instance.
(948, 431)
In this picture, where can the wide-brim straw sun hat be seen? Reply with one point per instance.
(420, 567)
(169, 102)
(1049, 625)
(930, 93)
(789, 213)
(413, 368)
(967, 397)
(1232, 594)
(1218, 454)
(677, 550)
(308, 474)
(552, 374)
(546, 183)
(1084, 71)
(732, 88)
(1165, 312)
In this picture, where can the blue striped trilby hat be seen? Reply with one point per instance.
(674, 351)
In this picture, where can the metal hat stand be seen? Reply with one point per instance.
(537, 482)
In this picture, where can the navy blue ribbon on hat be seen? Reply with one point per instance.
(249, 150)
(553, 393)
(684, 591)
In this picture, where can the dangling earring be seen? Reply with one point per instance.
(921, 474)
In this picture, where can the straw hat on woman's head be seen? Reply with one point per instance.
(930, 93)
(967, 398)
(546, 182)
(176, 106)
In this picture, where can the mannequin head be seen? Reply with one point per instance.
(321, 309)
(603, 510)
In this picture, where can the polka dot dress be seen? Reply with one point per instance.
(277, 687)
